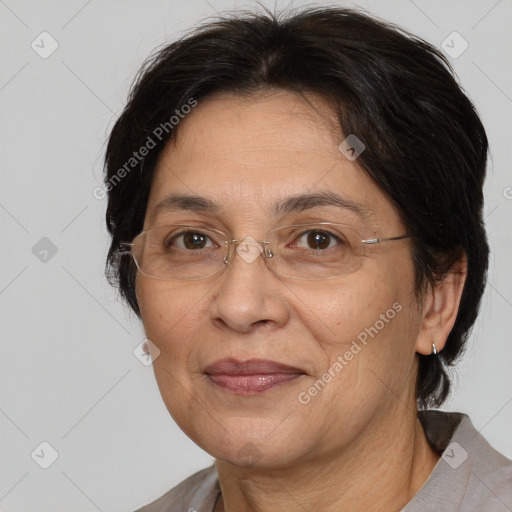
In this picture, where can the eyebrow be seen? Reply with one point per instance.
(292, 204)
(299, 203)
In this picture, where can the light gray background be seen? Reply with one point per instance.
(68, 373)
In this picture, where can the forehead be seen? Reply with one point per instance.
(246, 154)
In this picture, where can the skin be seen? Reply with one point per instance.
(357, 445)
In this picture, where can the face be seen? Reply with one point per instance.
(350, 339)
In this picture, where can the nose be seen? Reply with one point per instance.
(248, 294)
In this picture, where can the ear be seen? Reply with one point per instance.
(440, 308)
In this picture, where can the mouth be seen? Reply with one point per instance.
(251, 377)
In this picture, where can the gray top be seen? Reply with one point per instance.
(471, 476)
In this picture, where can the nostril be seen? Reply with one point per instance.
(261, 322)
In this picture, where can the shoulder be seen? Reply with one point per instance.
(470, 476)
(195, 494)
(490, 472)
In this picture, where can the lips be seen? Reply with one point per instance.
(252, 376)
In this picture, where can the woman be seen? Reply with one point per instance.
(295, 207)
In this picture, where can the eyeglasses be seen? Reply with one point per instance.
(181, 252)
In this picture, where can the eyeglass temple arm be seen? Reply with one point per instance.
(379, 240)
(124, 247)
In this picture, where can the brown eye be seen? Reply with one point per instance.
(191, 240)
(318, 240)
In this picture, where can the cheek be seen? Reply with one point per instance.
(363, 347)
(348, 310)
(172, 316)
(170, 313)
(368, 324)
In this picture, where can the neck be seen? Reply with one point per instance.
(381, 470)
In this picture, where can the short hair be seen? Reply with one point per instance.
(426, 148)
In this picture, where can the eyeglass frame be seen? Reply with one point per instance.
(266, 254)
